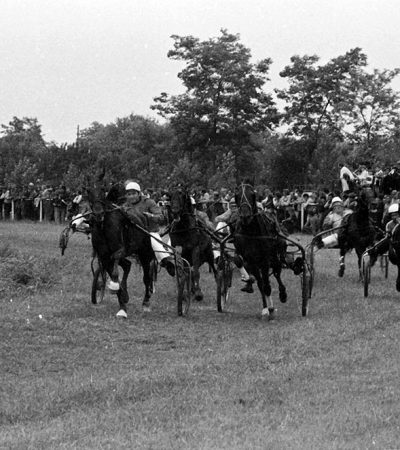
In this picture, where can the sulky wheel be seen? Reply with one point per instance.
(98, 285)
(311, 268)
(305, 291)
(366, 269)
(224, 283)
(184, 283)
(153, 274)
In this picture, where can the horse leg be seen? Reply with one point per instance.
(198, 295)
(342, 265)
(122, 294)
(264, 286)
(147, 280)
(398, 278)
(277, 270)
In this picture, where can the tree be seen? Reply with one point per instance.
(224, 102)
(22, 139)
(315, 94)
(371, 108)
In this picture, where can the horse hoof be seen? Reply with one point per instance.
(199, 296)
(272, 313)
(265, 313)
(121, 314)
(341, 271)
(146, 308)
(248, 288)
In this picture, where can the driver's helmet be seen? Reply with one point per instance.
(132, 186)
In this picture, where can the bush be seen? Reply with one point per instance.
(20, 272)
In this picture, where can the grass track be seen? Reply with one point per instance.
(79, 378)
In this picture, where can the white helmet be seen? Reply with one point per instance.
(337, 200)
(132, 185)
(393, 208)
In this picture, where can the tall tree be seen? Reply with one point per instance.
(224, 102)
(371, 108)
(314, 93)
(21, 140)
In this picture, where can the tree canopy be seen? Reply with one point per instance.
(226, 125)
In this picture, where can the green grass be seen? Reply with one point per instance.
(77, 378)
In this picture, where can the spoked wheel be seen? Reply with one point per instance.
(366, 269)
(224, 283)
(311, 269)
(98, 285)
(305, 290)
(184, 282)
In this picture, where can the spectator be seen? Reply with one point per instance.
(47, 203)
(313, 219)
(7, 199)
(346, 178)
(60, 202)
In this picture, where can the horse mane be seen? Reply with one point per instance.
(116, 194)
(187, 205)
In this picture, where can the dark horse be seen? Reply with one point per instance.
(391, 244)
(188, 231)
(357, 232)
(114, 238)
(256, 240)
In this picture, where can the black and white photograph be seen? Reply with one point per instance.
(199, 224)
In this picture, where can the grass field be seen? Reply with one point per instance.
(75, 377)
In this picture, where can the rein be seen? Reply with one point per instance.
(185, 230)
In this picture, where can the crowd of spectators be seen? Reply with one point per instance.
(45, 202)
(297, 209)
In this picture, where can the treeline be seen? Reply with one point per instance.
(227, 126)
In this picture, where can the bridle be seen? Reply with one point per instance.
(244, 201)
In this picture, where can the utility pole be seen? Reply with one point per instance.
(77, 137)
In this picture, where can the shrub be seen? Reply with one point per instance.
(19, 272)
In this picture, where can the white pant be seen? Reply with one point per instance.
(331, 240)
(78, 220)
(158, 248)
(220, 225)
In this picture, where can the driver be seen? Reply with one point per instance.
(383, 245)
(332, 220)
(146, 213)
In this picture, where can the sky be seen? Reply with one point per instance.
(70, 63)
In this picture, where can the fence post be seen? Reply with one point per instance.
(12, 209)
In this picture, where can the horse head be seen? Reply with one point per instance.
(96, 199)
(180, 203)
(245, 197)
(361, 208)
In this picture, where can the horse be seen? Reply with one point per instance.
(390, 182)
(114, 238)
(189, 232)
(357, 232)
(390, 244)
(257, 241)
